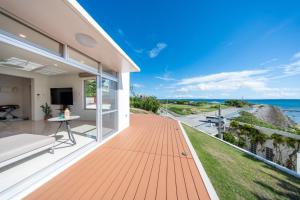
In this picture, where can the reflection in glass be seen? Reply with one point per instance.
(109, 95)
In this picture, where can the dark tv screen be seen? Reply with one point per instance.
(61, 96)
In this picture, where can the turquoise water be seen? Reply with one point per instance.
(291, 107)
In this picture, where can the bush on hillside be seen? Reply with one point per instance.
(229, 138)
(148, 103)
(237, 103)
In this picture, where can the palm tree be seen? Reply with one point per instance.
(295, 145)
(257, 137)
(278, 141)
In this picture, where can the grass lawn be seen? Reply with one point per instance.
(189, 109)
(235, 175)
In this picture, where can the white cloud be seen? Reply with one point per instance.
(296, 55)
(256, 83)
(166, 76)
(292, 68)
(227, 81)
(223, 76)
(139, 51)
(137, 85)
(157, 49)
(268, 61)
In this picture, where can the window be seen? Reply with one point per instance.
(110, 72)
(81, 58)
(26, 34)
(253, 148)
(269, 154)
(90, 93)
(109, 95)
(109, 123)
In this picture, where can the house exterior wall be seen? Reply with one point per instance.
(123, 100)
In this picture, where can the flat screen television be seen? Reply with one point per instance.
(61, 96)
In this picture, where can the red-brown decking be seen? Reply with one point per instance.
(148, 160)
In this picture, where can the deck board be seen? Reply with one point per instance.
(148, 160)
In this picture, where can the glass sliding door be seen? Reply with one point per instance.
(109, 107)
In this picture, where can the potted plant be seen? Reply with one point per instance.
(47, 111)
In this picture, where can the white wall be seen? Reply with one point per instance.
(16, 90)
(123, 100)
(39, 87)
(75, 82)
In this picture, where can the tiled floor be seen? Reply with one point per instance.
(148, 160)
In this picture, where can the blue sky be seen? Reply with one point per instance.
(207, 49)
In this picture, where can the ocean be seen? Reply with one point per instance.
(291, 107)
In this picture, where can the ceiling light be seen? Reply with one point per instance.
(20, 64)
(85, 40)
(22, 35)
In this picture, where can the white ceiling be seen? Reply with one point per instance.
(63, 20)
(48, 66)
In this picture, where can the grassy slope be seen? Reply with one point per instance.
(249, 118)
(235, 175)
(139, 111)
(188, 109)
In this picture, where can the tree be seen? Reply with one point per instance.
(148, 103)
(91, 88)
(235, 127)
(257, 137)
(278, 141)
(295, 145)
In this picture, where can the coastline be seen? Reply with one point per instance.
(289, 107)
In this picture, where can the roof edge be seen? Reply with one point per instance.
(98, 28)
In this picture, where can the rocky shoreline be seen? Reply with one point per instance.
(273, 115)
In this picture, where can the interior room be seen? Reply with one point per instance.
(29, 81)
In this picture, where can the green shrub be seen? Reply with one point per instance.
(229, 138)
(237, 103)
(148, 103)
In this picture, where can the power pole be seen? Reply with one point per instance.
(219, 124)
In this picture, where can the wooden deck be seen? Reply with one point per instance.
(148, 160)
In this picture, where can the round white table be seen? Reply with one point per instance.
(63, 120)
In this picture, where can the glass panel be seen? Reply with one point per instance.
(109, 71)
(109, 95)
(27, 34)
(90, 90)
(81, 58)
(109, 123)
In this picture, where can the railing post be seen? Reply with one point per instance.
(298, 163)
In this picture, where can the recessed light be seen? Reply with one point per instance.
(22, 35)
(85, 40)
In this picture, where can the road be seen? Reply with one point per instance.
(198, 121)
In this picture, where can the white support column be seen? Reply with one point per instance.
(99, 105)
